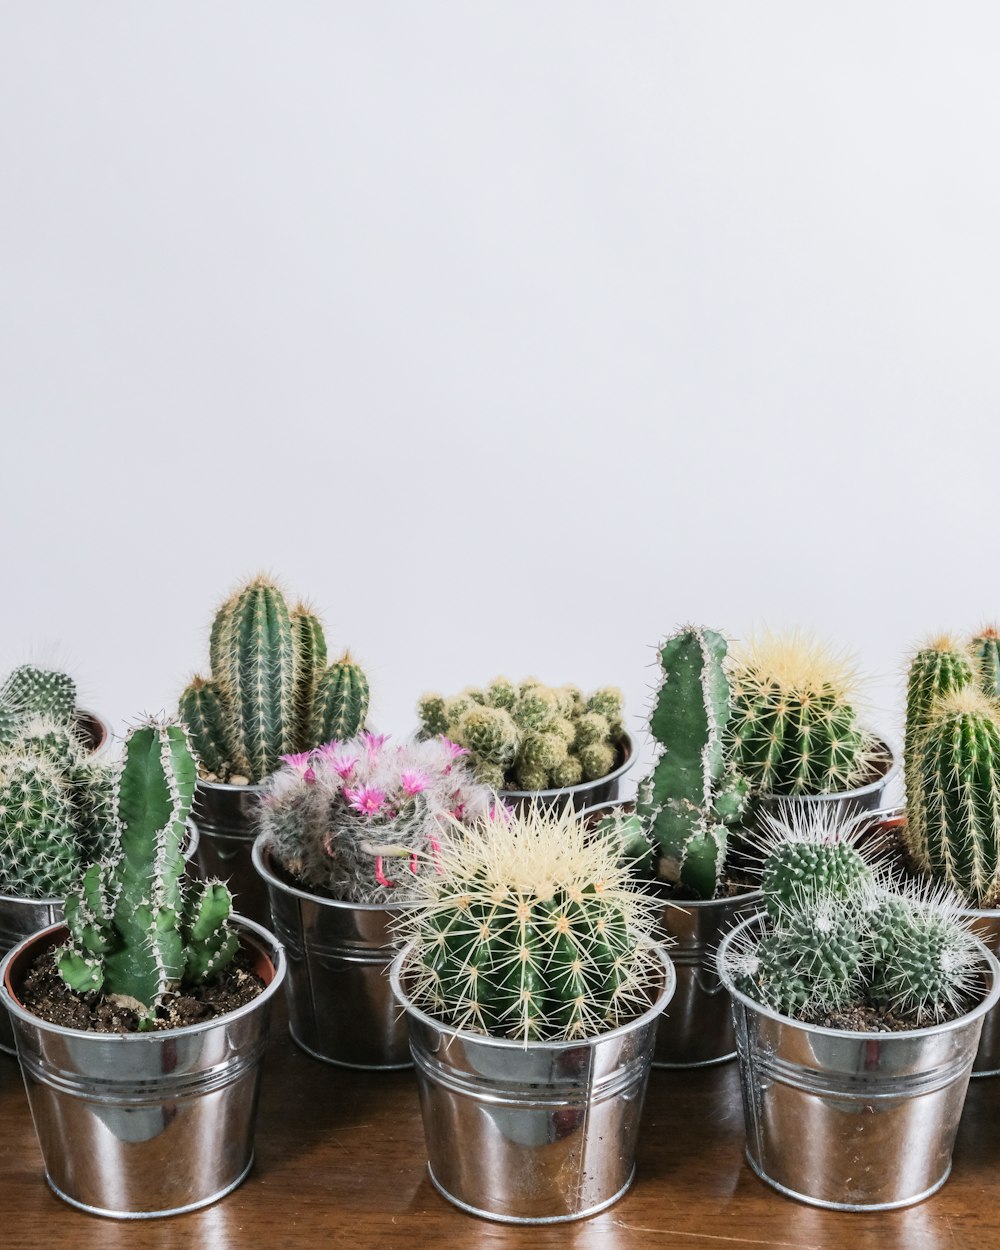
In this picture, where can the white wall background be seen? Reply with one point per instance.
(512, 334)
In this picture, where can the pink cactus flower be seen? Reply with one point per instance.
(374, 742)
(367, 800)
(302, 764)
(336, 758)
(453, 749)
(380, 876)
(500, 810)
(458, 811)
(414, 781)
(414, 863)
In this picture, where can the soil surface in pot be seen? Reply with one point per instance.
(862, 1018)
(46, 994)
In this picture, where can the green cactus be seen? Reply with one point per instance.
(530, 929)
(433, 717)
(810, 852)
(270, 693)
(10, 724)
(133, 933)
(39, 852)
(93, 786)
(794, 727)
(985, 650)
(939, 668)
(953, 804)
(52, 740)
(690, 797)
(489, 733)
(33, 691)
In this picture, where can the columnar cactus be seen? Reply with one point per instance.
(529, 736)
(953, 812)
(531, 929)
(939, 668)
(134, 931)
(271, 692)
(679, 797)
(794, 727)
(985, 649)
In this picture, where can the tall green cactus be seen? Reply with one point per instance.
(795, 729)
(133, 933)
(691, 797)
(953, 807)
(40, 856)
(939, 668)
(529, 928)
(270, 693)
(985, 650)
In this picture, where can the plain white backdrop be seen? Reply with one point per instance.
(511, 334)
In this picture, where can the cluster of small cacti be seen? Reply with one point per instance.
(530, 928)
(135, 931)
(271, 692)
(362, 820)
(528, 736)
(794, 724)
(693, 796)
(952, 766)
(840, 935)
(56, 811)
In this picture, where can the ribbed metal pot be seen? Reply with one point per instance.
(226, 817)
(845, 803)
(531, 1134)
(137, 1125)
(20, 917)
(586, 794)
(852, 1121)
(340, 1003)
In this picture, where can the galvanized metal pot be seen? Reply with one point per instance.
(846, 803)
(531, 1134)
(138, 1125)
(340, 1003)
(21, 917)
(852, 1121)
(226, 819)
(586, 794)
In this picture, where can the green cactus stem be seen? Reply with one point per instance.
(341, 701)
(202, 710)
(985, 650)
(939, 668)
(39, 853)
(310, 661)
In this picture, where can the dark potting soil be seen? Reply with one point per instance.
(861, 1018)
(47, 995)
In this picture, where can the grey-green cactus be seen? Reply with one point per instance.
(680, 799)
(528, 736)
(33, 691)
(939, 668)
(134, 931)
(530, 928)
(811, 852)
(953, 797)
(985, 650)
(271, 692)
(40, 856)
(794, 726)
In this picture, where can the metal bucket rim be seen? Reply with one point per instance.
(655, 1009)
(228, 787)
(840, 795)
(262, 843)
(725, 976)
(190, 849)
(569, 791)
(696, 904)
(270, 945)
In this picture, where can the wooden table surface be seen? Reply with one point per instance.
(340, 1162)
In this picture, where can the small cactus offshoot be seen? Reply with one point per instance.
(985, 649)
(531, 929)
(271, 692)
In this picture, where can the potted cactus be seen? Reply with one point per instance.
(139, 1113)
(855, 1003)
(31, 692)
(345, 831)
(532, 987)
(795, 731)
(536, 744)
(271, 693)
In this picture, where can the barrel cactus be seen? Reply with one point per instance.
(809, 852)
(271, 692)
(531, 928)
(528, 736)
(692, 796)
(135, 932)
(34, 691)
(794, 725)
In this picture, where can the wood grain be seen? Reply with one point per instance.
(340, 1162)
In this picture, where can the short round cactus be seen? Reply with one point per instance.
(810, 852)
(34, 691)
(40, 855)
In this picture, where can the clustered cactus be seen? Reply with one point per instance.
(841, 935)
(271, 692)
(361, 820)
(952, 766)
(692, 797)
(794, 726)
(55, 802)
(528, 736)
(31, 692)
(135, 931)
(530, 928)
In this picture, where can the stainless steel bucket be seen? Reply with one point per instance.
(846, 803)
(340, 1003)
(144, 1124)
(697, 1027)
(531, 1134)
(986, 924)
(21, 917)
(226, 817)
(586, 794)
(852, 1121)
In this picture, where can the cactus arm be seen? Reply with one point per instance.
(310, 660)
(201, 709)
(209, 944)
(341, 702)
(985, 649)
